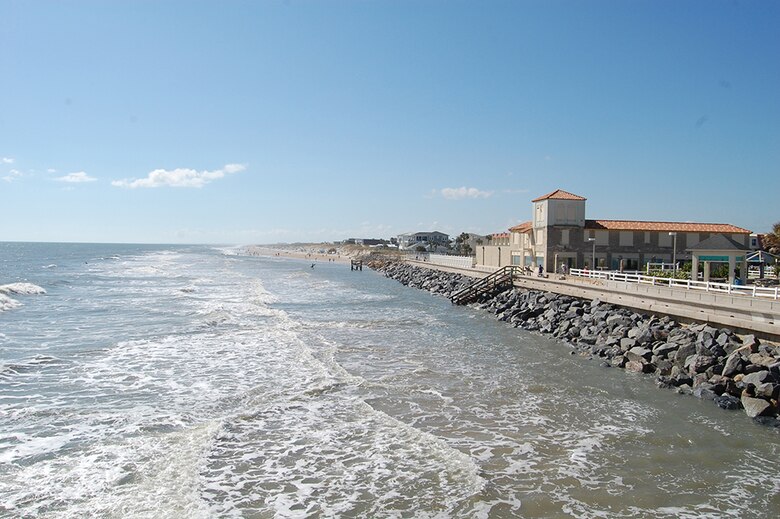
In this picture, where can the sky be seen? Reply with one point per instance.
(239, 122)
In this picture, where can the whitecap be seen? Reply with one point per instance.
(21, 289)
(6, 303)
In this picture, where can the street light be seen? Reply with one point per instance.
(674, 250)
(593, 257)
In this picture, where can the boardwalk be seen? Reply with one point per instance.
(742, 313)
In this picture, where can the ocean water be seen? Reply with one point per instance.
(176, 381)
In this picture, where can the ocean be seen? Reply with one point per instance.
(197, 382)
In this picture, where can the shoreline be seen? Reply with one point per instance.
(734, 371)
(300, 253)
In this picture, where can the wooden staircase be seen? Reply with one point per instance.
(490, 285)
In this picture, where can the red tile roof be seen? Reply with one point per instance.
(522, 227)
(499, 235)
(631, 225)
(559, 194)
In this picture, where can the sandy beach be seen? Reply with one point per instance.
(305, 252)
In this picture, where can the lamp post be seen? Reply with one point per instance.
(674, 250)
(593, 255)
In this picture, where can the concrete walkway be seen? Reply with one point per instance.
(741, 313)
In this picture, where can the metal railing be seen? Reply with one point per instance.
(624, 277)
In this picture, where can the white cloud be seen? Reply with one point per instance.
(179, 177)
(13, 175)
(458, 193)
(75, 178)
(7, 160)
(51, 170)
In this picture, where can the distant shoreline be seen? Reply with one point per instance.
(304, 253)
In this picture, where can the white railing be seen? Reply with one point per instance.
(624, 277)
(754, 272)
(463, 262)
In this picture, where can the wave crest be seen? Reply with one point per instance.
(21, 289)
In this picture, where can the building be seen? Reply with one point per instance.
(431, 241)
(559, 233)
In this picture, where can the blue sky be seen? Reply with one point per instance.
(259, 122)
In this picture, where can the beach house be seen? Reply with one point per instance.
(430, 240)
(558, 233)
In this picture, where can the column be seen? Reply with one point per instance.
(695, 267)
(732, 266)
(707, 271)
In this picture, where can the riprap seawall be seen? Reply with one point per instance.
(734, 371)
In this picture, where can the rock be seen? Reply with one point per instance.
(769, 421)
(699, 363)
(755, 406)
(638, 367)
(638, 354)
(685, 351)
(627, 343)
(734, 364)
(704, 393)
(665, 349)
(768, 390)
(728, 402)
(758, 378)
(759, 359)
(618, 361)
(749, 342)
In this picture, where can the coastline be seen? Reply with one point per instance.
(734, 371)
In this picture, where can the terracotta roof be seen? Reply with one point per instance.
(500, 235)
(631, 225)
(559, 194)
(522, 227)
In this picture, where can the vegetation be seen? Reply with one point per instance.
(771, 240)
(462, 245)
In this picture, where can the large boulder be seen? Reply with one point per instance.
(755, 406)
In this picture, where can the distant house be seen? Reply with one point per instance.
(431, 241)
(370, 241)
(559, 234)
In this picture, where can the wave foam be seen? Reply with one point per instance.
(21, 289)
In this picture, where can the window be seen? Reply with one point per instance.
(565, 237)
(602, 237)
(626, 239)
(692, 238)
(647, 237)
(664, 240)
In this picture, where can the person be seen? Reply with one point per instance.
(541, 270)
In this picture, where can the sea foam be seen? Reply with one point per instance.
(21, 289)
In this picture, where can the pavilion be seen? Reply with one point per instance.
(719, 249)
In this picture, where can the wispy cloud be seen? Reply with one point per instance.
(459, 193)
(76, 178)
(514, 191)
(51, 170)
(7, 160)
(179, 177)
(13, 175)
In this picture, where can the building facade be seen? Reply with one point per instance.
(559, 233)
(431, 241)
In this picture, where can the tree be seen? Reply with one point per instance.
(462, 245)
(771, 240)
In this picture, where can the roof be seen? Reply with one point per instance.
(633, 225)
(500, 235)
(718, 242)
(559, 194)
(522, 227)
